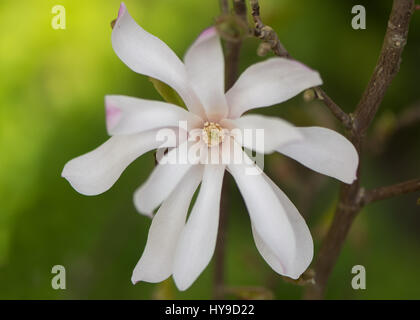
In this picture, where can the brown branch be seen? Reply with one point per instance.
(270, 38)
(347, 209)
(387, 192)
(344, 118)
(388, 64)
(266, 33)
(233, 48)
(352, 200)
(351, 197)
(239, 7)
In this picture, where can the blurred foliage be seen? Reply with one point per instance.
(167, 93)
(52, 86)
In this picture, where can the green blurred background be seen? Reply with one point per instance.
(52, 87)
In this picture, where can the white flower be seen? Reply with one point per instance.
(174, 246)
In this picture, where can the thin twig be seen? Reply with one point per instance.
(344, 118)
(269, 36)
(266, 33)
(387, 192)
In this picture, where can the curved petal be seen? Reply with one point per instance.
(270, 82)
(265, 251)
(148, 55)
(95, 172)
(204, 62)
(164, 179)
(269, 217)
(156, 262)
(264, 134)
(198, 238)
(304, 242)
(127, 115)
(324, 151)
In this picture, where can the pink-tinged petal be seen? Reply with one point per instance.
(113, 116)
(122, 9)
(127, 115)
(270, 82)
(325, 151)
(95, 172)
(206, 34)
(204, 62)
(156, 262)
(146, 54)
(198, 238)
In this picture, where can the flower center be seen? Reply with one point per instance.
(212, 134)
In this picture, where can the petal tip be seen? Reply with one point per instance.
(134, 280)
(141, 209)
(351, 180)
(316, 75)
(208, 31)
(66, 174)
(122, 9)
(181, 285)
(206, 34)
(293, 276)
(63, 175)
(353, 172)
(147, 214)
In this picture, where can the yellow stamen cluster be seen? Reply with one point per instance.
(212, 134)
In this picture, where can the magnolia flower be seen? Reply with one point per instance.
(183, 248)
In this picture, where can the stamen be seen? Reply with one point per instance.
(212, 134)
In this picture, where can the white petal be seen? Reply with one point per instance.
(148, 55)
(163, 180)
(204, 62)
(325, 151)
(304, 243)
(270, 82)
(198, 238)
(264, 134)
(269, 256)
(268, 216)
(95, 172)
(127, 115)
(156, 262)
